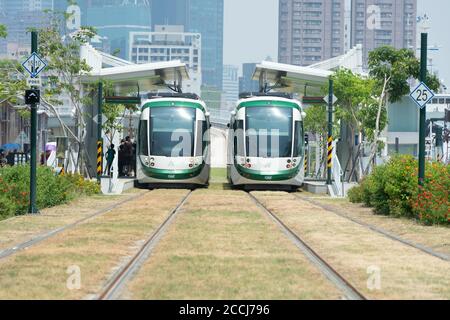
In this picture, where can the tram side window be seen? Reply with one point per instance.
(143, 137)
(299, 144)
(199, 139)
(238, 127)
(205, 136)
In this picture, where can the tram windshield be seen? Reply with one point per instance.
(269, 132)
(172, 132)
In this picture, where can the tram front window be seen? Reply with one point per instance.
(269, 132)
(172, 132)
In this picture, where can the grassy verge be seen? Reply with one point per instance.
(95, 248)
(436, 237)
(222, 247)
(23, 228)
(355, 251)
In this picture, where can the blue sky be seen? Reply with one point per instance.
(251, 31)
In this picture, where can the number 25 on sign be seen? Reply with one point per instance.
(422, 95)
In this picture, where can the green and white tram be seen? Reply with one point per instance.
(173, 141)
(266, 145)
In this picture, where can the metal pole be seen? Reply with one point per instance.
(33, 139)
(330, 132)
(423, 111)
(99, 133)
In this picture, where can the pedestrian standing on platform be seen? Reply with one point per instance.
(110, 155)
(128, 151)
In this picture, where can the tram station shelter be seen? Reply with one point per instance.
(128, 80)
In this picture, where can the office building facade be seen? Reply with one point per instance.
(169, 43)
(246, 82)
(197, 16)
(19, 16)
(310, 31)
(230, 85)
(377, 23)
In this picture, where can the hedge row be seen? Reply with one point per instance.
(52, 189)
(392, 189)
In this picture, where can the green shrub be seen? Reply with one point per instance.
(392, 189)
(400, 184)
(355, 194)
(51, 189)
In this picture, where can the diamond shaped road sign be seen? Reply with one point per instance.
(34, 65)
(422, 95)
(326, 98)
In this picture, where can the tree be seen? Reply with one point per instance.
(11, 80)
(64, 71)
(391, 69)
(3, 32)
(355, 101)
(316, 124)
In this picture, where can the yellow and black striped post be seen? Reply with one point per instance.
(306, 164)
(99, 159)
(330, 153)
(330, 131)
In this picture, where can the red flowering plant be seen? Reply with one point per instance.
(431, 203)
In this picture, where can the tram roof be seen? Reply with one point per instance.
(290, 78)
(146, 77)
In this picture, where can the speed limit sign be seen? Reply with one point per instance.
(422, 95)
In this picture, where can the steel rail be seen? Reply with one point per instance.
(379, 230)
(324, 267)
(44, 236)
(116, 284)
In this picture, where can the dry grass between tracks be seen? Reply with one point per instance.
(435, 237)
(222, 246)
(405, 272)
(23, 228)
(96, 247)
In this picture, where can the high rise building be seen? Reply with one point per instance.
(198, 16)
(389, 22)
(19, 16)
(115, 19)
(246, 82)
(230, 85)
(169, 43)
(310, 30)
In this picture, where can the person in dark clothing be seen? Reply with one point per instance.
(128, 153)
(110, 155)
(10, 158)
(2, 158)
(133, 165)
(121, 158)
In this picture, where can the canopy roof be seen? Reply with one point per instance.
(290, 78)
(140, 77)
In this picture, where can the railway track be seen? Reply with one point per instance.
(326, 269)
(44, 236)
(116, 284)
(378, 230)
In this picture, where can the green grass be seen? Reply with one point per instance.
(222, 247)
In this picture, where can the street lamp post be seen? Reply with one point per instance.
(423, 111)
(33, 139)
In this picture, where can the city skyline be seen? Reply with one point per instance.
(238, 34)
(252, 38)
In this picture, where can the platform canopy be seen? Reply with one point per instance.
(293, 79)
(140, 77)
